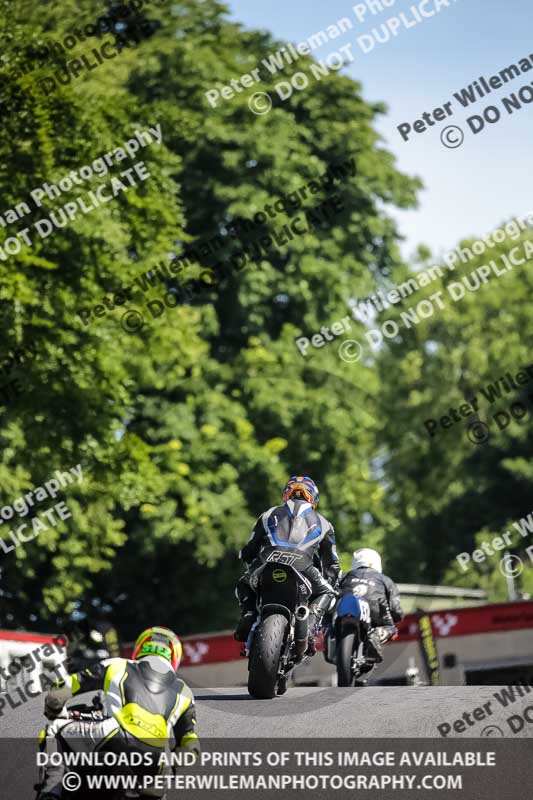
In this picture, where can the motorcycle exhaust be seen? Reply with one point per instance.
(301, 630)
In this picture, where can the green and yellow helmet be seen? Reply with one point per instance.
(159, 642)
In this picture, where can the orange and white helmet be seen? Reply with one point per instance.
(159, 642)
(303, 487)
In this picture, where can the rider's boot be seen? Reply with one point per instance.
(244, 626)
(376, 640)
(364, 673)
(247, 604)
(374, 650)
(317, 609)
(311, 646)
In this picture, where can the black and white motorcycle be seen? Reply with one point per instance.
(279, 637)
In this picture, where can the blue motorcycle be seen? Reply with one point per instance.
(346, 639)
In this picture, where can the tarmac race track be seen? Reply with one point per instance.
(370, 712)
(332, 712)
(229, 720)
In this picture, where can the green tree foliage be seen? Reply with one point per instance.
(448, 491)
(188, 428)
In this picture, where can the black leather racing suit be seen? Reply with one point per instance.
(381, 594)
(295, 526)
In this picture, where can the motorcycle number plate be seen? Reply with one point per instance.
(365, 611)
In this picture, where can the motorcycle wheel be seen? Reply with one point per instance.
(264, 658)
(345, 650)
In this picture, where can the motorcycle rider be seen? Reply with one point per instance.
(92, 638)
(367, 581)
(295, 524)
(144, 701)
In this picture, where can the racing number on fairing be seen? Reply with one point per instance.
(365, 611)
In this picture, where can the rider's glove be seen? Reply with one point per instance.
(192, 747)
(195, 748)
(333, 575)
(191, 743)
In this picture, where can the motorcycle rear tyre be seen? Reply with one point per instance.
(345, 650)
(264, 658)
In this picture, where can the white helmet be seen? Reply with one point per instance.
(366, 558)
